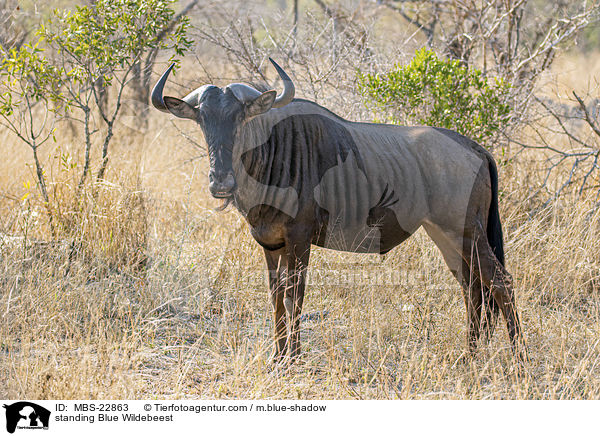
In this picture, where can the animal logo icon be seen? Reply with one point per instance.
(24, 414)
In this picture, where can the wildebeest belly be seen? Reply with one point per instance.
(364, 208)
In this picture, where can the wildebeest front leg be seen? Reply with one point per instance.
(276, 260)
(298, 254)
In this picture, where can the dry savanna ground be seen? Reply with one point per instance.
(166, 298)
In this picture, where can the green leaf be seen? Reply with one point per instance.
(440, 93)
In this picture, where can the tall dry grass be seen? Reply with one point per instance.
(165, 298)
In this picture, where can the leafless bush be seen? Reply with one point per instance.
(322, 51)
(578, 122)
(13, 32)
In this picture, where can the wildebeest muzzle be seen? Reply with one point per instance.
(221, 184)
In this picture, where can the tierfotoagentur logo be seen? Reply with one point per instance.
(26, 415)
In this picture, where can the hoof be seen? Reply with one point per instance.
(276, 359)
(465, 359)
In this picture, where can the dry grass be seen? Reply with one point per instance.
(166, 298)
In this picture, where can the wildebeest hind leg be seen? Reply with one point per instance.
(451, 246)
(472, 292)
(489, 317)
(498, 280)
(485, 310)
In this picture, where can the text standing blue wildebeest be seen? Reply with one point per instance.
(301, 175)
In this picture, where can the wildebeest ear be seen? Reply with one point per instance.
(260, 104)
(180, 108)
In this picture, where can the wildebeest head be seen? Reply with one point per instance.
(219, 112)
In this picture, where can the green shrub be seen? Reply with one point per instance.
(441, 93)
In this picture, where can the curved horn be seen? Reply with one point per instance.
(288, 87)
(157, 91)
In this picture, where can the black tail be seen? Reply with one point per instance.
(494, 227)
(495, 239)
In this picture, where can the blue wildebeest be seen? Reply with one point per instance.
(302, 175)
